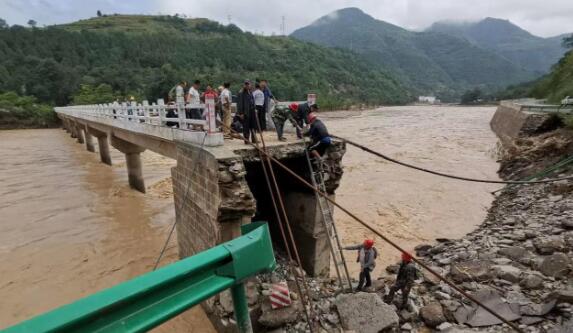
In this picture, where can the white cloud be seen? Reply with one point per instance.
(544, 18)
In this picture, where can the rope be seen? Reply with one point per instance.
(306, 299)
(389, 241)
(390, 159)
(184, 199)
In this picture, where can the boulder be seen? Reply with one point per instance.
(365, 312)
(474, 270)
(549, 245)
(555, 265)
(279, 317)
(567, 224)
(531, 282)
(563, 295)
(514, 252)
(565, 327)
(533, 309)
(433, 314)
(431, 278)
(226, 301)
(508, 273)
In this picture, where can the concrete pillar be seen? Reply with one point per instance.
(103, 146)
(80, 133)
(89, 141)
(133, 161)
(73, 131)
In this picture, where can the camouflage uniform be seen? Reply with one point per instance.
(280, 115)
(404, 281)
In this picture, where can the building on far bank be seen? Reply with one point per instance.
(428, 100)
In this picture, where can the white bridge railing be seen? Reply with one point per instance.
(168, 121)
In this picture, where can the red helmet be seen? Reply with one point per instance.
(406, 257)
(311, 117)
(368, 243)
(293, 107)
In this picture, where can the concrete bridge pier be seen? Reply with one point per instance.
(79, 133)
(133, 161)
(72, 128)
(89, 140)
(104, 155)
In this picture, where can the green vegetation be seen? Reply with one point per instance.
(430, 63)
(24, 112)
(559, 83)
(109, 57)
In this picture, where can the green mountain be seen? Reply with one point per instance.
(431, 62)
(533, 53)
(559, 83)
(145, 56)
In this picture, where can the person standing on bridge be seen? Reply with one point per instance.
(318, 133)
(281, 114)
(226, 100)
(367, 255)
(267, 106)
(247, 112)
(194, 99)
(259, 98)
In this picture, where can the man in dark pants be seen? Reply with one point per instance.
(404, 281)
(367, 255)
(246, 110)
(301, 117)
(319, 135)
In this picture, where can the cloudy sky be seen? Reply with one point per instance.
(541, 17)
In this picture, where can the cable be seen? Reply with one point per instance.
(184, 199)
(389, 241)
(390, 159)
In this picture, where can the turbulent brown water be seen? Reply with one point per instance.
(70, 225)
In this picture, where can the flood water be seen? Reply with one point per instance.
(70, 225)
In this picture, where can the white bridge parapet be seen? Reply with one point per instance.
(152, 120)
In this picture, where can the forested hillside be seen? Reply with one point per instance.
(145, 56)
(559, 83)
(531, 52)
(430, 62)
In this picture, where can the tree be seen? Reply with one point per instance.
(472, 96)
(568, 42)
(3, 24)
(99, 13)
(32, 23)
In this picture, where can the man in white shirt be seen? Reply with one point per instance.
(194, 99)
(226, 100)
(259, 98)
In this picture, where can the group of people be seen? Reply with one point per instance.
(407, 273)
(254, 102)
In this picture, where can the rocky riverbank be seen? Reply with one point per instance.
(518, 262)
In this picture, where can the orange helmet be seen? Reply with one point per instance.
(311, 117)
(368, 243)
(293, 107)
(406, 257)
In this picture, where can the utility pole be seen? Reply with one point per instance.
(283, 26)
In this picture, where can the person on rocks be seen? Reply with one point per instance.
(318, 133)
(407, 273)
(281, 114)
(247, 112)
(367, 255)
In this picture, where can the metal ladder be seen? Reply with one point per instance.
(317, 177)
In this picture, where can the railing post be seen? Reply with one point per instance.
(147, 120)
(182, 115)
(161, 107)
(241, 308)
(210, 114)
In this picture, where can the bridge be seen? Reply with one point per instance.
(217, 183)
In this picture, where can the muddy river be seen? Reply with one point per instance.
(70, 226)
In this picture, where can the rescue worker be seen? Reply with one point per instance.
(318, 133)
(304, 109)
(246, 110)
(404, 281)
(367, 255)
(281, 114)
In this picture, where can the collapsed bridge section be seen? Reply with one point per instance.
(218, 189)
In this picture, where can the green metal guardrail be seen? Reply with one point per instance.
(145, 302)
